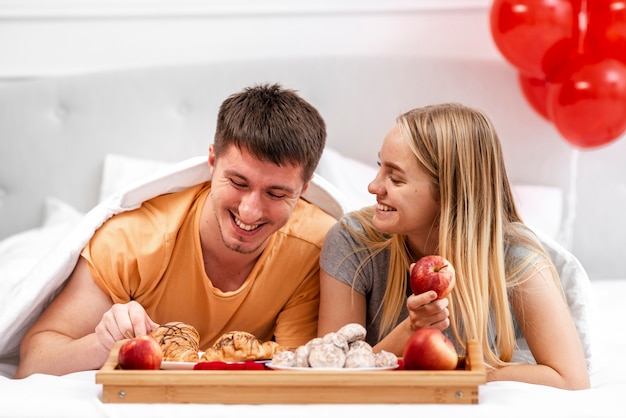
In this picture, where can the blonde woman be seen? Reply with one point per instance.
(442, 188)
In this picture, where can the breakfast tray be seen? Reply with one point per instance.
(458, 386)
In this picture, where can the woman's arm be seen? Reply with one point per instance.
(551, 336)
(340, 304)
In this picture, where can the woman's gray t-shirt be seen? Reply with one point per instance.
(341, 256)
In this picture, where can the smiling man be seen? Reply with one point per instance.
(239, 253)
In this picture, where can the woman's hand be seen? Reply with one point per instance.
(425, 310)
(122, 321)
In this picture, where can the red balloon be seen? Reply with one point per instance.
(606, 29)
(588, 104)
(536, 93)
(536, 36)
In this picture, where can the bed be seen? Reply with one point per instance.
(76, 149)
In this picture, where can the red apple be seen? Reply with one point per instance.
(429, 349)
(432, 272)
(143, 353)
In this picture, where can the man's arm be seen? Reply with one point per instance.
(63, 339)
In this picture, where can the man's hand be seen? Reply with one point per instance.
(123, 321)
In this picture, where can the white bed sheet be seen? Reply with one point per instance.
(77, 395)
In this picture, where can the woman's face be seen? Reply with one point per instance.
(406, 199)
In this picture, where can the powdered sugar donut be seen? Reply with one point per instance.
(360, 344)
(284, 358)
(353, 332)
(302, 356)
(315, 341)
(360, 358)
(385, 359)
(327, 356)
(337, 340)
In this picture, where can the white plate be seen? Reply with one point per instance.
(330, 369)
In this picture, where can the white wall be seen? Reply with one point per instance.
(42, 38)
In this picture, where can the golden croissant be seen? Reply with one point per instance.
(179, 341)
(240, 346)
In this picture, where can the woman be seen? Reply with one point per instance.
(442, 188)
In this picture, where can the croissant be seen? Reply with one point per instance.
(240, 346)
(179, 341)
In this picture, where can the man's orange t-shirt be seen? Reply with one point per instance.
(153, 255)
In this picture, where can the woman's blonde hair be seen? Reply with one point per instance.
(459, 149)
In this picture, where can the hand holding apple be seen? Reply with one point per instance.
(429, 349)
(432, 272)
(142, 353)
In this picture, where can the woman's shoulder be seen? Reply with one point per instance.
(357, 227)
(520, 235)
(352, 245)
(522, 248)
(346, 229)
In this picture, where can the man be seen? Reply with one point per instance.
(239, 253)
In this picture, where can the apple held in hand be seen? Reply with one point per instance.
(429, 349)
(141, 353)
(432, 272)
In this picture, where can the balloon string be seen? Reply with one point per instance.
(583, 21)
(567, 232)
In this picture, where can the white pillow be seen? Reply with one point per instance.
(349, 176)
(541, 208)
(121, 171)
(20, 252)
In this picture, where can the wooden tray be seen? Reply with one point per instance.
(458, 386)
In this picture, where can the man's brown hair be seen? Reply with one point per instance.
(274, 124)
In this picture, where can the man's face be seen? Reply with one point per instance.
(251, 199)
